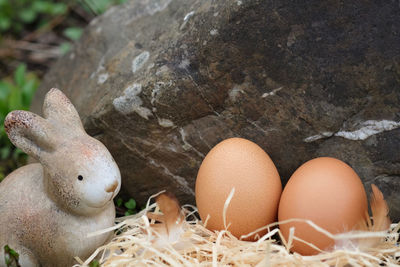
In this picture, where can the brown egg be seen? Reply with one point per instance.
(241, 164)
(326, 191)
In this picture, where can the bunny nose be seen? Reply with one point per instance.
(111, 188)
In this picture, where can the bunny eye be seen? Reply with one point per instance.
(80, 177)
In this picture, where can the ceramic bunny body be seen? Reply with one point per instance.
(48, 209)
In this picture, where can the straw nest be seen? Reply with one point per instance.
(136, 243)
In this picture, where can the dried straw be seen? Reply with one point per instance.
(134, 244)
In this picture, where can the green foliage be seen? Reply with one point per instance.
(99, 6)
(94, 263)
(14, 15)
(65, 47)
(11, 257)
(119, 202)
(15, 94)
(130, 205)
(22, 15)
(73, 33)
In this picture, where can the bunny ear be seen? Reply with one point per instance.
(58, 108)
(30, 132)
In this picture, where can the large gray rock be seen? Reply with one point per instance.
(160, 82)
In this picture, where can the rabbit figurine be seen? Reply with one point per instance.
(48, 208)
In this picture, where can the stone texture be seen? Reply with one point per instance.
(160, 82)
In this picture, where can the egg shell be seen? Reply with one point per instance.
(326, 191)
(241, 164)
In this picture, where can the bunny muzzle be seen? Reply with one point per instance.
(103, 189)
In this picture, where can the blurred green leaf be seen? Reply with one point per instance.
(95, 6)
(5, 23)
(3, 110)
(28, 91)
(43, 23)
(5, 152)
(129, 212)
(4, 90)
(119, 202)
(99, 6)
(2, 130)
(15, 99)
(59, 9)
(17, 154)
(27, 15)
(131, 204)
(94, 263)
(29, 87)
(19, 75)
(11, 257)
(42, 6)
(65, 48)
(73, 33)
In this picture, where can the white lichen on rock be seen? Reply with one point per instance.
(102, 78)
(317, 137)
(156, 6)
(163, 69)
(186, 19)
(184, 64)
(368, 128)
(100, 68)
(214, 32)
(188, 15)
(131, 102)
(165, 123)
(273, 92)
(139, 61)
(154, 93)
(235, 91)
(365, 130)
